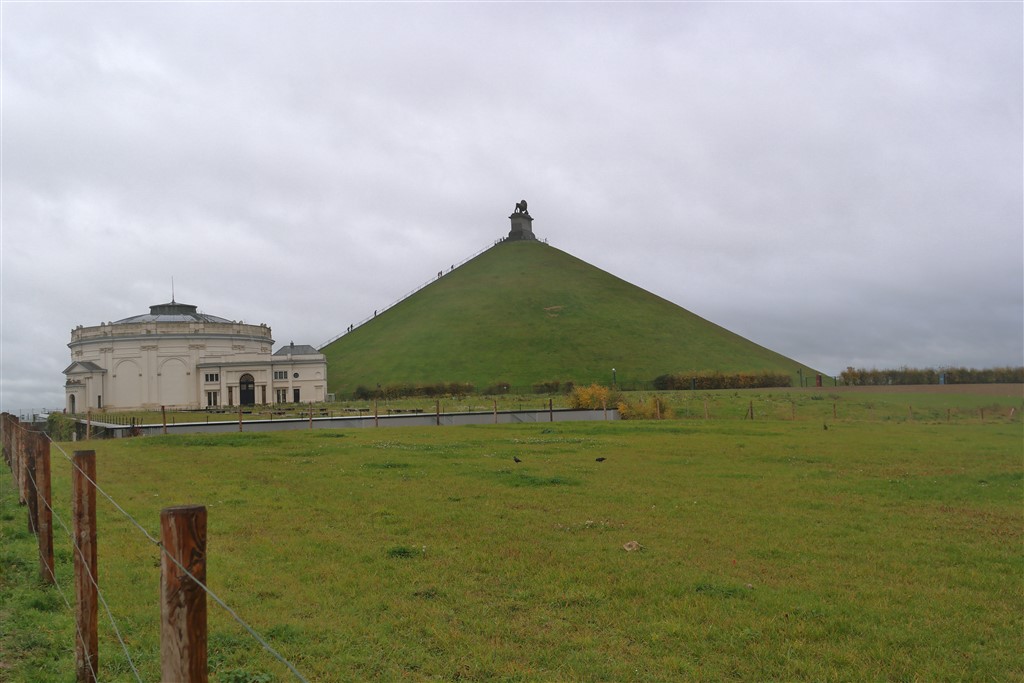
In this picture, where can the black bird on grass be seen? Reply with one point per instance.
(601, 459)
(516, 458)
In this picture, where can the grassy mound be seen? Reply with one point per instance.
(524, 313)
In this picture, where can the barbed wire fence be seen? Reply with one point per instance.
(23, 451)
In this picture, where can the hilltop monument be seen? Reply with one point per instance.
(522, 223)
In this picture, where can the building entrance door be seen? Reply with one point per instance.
(246, 390)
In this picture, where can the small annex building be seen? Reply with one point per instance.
(176, 357)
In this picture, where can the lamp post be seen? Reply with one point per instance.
(613, 378)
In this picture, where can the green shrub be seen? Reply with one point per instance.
(552, 387)
(363, 393)
(408, 390)
(60, 427)
(245, 676)
(707, 380)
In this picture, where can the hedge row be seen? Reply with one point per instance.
(863, 377)
(700, 380)
(718, 380)
(414, 390)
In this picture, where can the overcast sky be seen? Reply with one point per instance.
(839, 182)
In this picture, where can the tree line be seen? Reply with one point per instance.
(874, 377)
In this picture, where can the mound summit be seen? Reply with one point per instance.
(523, 313)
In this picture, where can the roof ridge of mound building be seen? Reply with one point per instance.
(172, 312)
(294, 349)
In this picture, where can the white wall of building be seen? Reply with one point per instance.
(153, 364)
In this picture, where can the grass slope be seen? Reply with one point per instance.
(525, 312)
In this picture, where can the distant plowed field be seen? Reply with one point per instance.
(1004, 390)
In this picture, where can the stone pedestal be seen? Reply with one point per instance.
(522, 227)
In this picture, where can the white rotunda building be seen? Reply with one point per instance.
(176, 357)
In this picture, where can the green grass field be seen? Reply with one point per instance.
(888, 546)
(956, 404)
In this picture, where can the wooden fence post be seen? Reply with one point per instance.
(5, 437)
(437, 411)
(9, 447)
(18, 444)
(12, 444)
(182, 600)
(551, 410)
(88, 424)
(44, 516)
(21, 439)
(83, 510)
(495, 410)
(163, 417)
(31, 497)
(376, 418)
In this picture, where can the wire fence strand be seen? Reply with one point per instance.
(156, 542)
(234, 615)
(92, 580)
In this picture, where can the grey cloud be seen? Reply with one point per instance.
(839, 182)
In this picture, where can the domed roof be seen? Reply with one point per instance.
(172, 312)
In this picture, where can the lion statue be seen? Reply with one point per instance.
(521, 207)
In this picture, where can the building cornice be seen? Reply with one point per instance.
(261, 363)
(192, 336)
